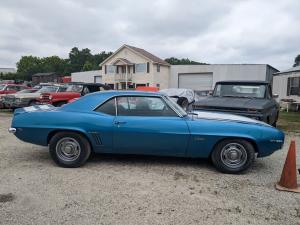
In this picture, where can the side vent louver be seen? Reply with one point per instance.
(96, 138)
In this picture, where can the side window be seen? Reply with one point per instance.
(143, 106)
(107, 107)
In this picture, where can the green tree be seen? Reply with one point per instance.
(176, 61)
(297, 61)
(28, 65)
(87, 66)
(53, 64)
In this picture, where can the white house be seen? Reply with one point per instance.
(287, 84)
(130, 67)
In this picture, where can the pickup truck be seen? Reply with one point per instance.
(252, 99)
(74, 90)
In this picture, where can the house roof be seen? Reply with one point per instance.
(141, 52)
(43, 74)
(293, 69)
(123, 60)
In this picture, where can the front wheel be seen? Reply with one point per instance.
(233, 155)
(69, 149)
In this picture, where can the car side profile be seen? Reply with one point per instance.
(132, 122)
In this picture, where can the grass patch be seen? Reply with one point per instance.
(289, 121)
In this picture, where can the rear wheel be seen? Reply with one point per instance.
(69, 149)
(233, 155)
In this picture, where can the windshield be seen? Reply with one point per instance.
(2, 87)
(47, 89)
(27, 91)
(175, 105)
(240, 90)
(74, 88)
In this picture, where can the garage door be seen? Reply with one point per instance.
(196, 81)
(97, 79)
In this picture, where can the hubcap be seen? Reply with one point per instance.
(234, 155)
(68, 149)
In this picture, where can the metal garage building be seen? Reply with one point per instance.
(94, 76)
(204, 77)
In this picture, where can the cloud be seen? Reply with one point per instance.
(216, 31)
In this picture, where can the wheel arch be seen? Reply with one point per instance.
(53, 132)
(251, 141)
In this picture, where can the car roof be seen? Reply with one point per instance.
(122, 92)
(90, 101)
(243, 82)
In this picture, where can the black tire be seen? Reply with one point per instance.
(183, 102)
(274, 124)
(224, 165)
(59, 104)
(75, 139)
(32, 103)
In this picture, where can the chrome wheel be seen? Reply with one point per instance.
(68, 149)
(234, 155)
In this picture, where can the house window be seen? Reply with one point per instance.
(293, 87)
(111, 69)
(141, 67)
(158, 68)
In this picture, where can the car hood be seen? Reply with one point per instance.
(26, 95)
(225, 117)
(228, 102)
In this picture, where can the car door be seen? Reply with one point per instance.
(148, 125)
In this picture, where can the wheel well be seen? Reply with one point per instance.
(52, 133)
(246, 139)
(59, 102)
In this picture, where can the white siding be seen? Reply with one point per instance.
(221, 72)
(86, 77)
(196, 81)
(280, 85)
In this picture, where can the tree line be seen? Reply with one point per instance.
(78, 60)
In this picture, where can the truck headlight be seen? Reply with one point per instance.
(50, 97)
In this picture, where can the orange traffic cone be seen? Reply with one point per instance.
(288, 180)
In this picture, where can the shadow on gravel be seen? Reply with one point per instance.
(6, 198)
(146, 160)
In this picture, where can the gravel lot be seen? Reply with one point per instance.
(113, 189)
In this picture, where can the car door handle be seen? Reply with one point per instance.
(119, 122)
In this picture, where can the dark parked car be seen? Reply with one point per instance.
(253, 99)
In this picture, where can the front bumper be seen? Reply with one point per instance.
(12, 130)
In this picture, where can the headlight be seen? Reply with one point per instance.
(50, 97)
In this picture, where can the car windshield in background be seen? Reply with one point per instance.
(74, 88)
(175, 105)
(240, 90)
(27, 91)
(48, 89)
(2, 87)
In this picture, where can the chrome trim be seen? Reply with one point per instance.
(12, 130)
(177, 112)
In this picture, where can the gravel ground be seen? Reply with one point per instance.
(137, 190)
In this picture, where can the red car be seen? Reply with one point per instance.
(73, 91)
(9, 89)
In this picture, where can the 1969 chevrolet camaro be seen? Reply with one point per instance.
(132, 122)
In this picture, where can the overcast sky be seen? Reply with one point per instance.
(214, 31)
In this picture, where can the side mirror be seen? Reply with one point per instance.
(210, 93)
(275, 96)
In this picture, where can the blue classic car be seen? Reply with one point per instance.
(132, 122)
